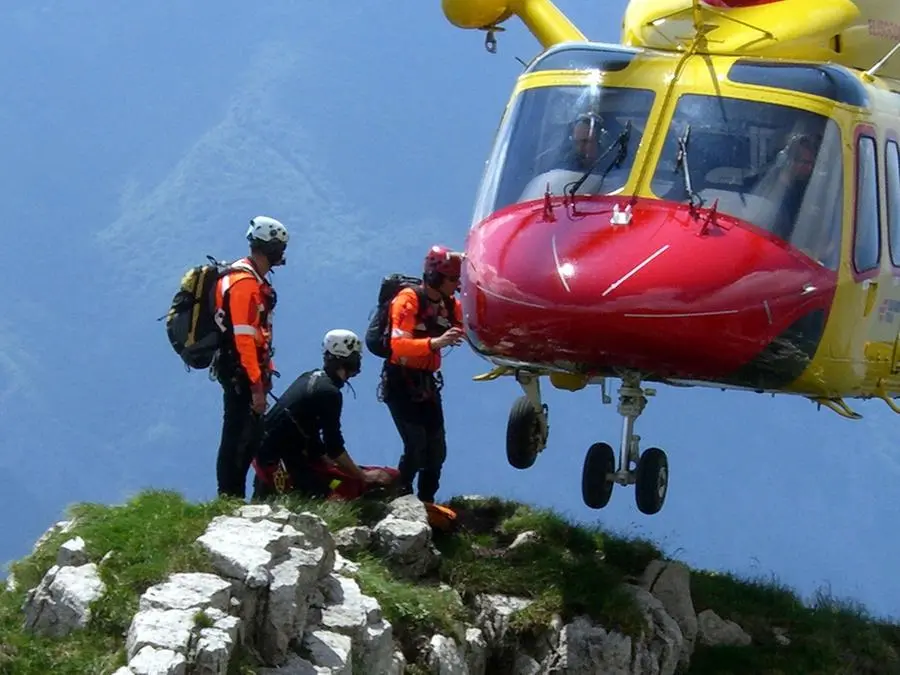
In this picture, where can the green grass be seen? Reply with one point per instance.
(570, 570)
(336, 514)
(415, 612)
(151, 536)
(827, 635)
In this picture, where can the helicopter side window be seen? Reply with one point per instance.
(892, 175)
(867, 236)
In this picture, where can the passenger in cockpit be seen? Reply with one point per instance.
(784, 183)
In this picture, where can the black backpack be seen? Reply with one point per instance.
(191, 320)
(378, 334)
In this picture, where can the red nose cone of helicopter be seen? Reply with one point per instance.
(652, 287)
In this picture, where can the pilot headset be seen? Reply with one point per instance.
(592, 119)
(792, 148)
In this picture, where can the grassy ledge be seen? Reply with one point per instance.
(569, 570)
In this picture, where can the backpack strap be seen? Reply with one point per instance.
(246, 267)
(450, 304)
(237, 266)
(227, 268)
(422, 297)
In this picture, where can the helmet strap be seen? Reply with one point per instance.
(433, 279)
(272, 250)
(349, 364)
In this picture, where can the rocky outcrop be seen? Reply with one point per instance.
(670, 582)
(714, 631)
(62, 601)
(283, 592)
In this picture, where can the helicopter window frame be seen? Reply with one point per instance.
(830, 81)
(892, 196)
(605, 58)
(549, 110)
(866, 269)
(743, 141)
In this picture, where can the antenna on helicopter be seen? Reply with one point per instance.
(524, 65)
(697, 16)
(869, 75)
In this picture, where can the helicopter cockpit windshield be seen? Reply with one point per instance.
(776, 167)
(576, 139)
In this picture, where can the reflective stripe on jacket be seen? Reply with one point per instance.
(411, 331)
(249, 315)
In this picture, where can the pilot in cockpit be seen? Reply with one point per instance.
(585, 137)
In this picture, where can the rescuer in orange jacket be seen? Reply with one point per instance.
(245, 301)
(411, 381)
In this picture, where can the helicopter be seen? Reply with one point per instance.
(713, 201)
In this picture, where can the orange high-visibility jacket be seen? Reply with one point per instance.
(411, 331)
(249, 315)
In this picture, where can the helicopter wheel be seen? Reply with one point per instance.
(652, 481)
(597, 475)
(524, 434)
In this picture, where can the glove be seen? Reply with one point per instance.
(258, 402)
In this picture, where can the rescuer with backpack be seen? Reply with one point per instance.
(415, 320)
(221, 318)
(303, 428)
(243, 365)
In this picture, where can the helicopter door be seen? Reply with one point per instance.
(866, 247)
(892, 195)
(873, 335)
(895, 357)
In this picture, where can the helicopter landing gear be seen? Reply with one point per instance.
(650, 473)
(527, 429)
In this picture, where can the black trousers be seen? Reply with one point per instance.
(241, 433)
(421, 428)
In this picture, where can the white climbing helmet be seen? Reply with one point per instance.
(341, 343)
(264, 228)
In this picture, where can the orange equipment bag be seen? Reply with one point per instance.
(441, 517)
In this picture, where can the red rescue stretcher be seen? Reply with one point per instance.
(342, 486)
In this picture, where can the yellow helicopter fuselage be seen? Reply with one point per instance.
(705, 107)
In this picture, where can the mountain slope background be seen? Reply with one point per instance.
(137, 140)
